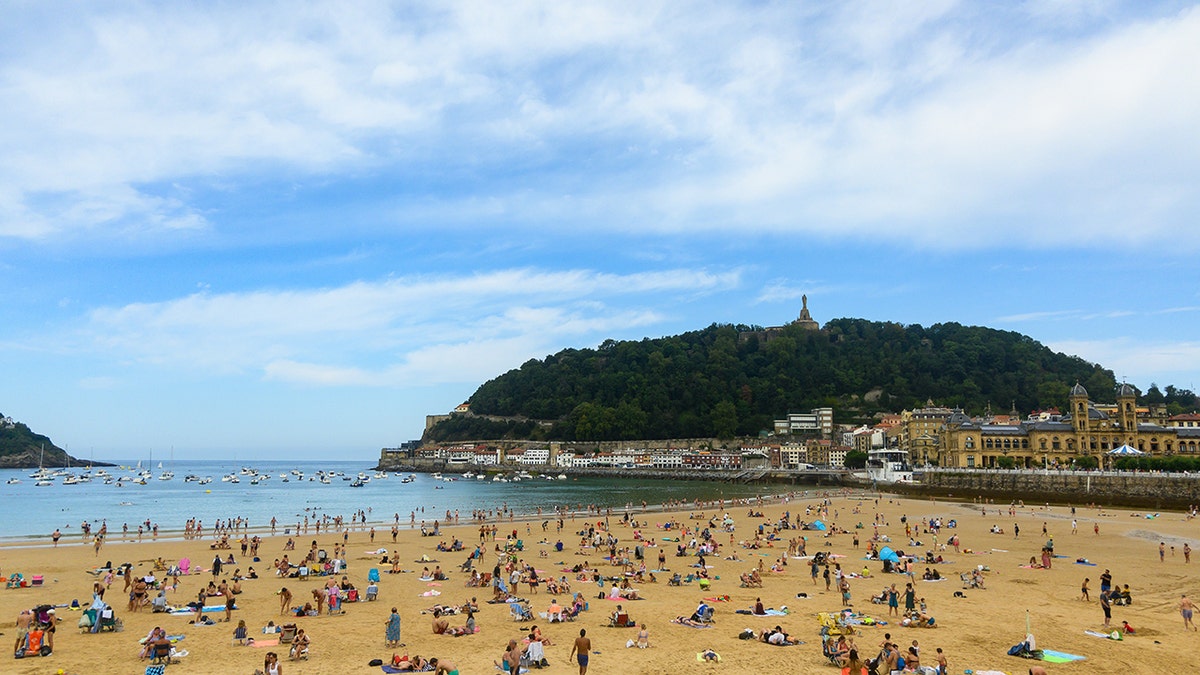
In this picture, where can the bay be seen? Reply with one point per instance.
(37, 511)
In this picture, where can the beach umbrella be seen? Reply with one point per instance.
(1125, 451)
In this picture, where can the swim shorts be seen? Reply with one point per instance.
(1187, 613)
(582, 659)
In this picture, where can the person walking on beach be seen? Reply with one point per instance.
(580, 650)
(1185, 610)
(56, 536)
(1162, 551)
(1084, 591)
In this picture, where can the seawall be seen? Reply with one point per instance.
(1153, 490)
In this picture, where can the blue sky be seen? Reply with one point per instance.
(295, 229)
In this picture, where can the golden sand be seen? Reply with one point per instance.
(974, 631)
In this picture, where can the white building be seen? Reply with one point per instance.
(534, 457)
(818, 421)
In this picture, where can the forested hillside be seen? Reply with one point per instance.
(711, 383)
(21, 448)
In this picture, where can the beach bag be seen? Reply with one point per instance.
(375, 662)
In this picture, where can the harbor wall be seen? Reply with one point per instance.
(1153, 490)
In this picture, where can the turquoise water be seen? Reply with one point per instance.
(171, 503)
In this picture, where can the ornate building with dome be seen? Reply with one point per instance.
(1086, 430)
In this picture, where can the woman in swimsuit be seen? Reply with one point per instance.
(643, 636)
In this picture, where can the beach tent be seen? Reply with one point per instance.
(816, 525)
(1125, 451)
(887, 554)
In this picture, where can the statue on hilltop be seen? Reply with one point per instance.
(805, 319)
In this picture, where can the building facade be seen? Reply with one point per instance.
(1086, 430)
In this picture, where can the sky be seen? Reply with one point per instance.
(248, 229)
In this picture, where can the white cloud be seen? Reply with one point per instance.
(430, 329)
(935, 123)
(1136, 360)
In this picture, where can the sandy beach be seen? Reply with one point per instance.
(974, 631)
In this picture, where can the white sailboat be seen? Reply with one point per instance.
(41, 473)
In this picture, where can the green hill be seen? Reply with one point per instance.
(20, 448)
(725, 381)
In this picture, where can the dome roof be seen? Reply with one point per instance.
(1126, 389)
(1078, 390)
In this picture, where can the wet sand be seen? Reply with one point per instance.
(974, 631)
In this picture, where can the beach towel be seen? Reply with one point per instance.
(718, 598)
(265, 643)
(1051, 656)
(184, 611)
(676, 621)
(1084, 562)
(430, 594)
(1115, 635)
(775, 612)
(715, 657)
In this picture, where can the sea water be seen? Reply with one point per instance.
(36, 511)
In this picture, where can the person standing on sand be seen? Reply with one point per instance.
(942, 667)
(392, 630)
(285, 600)
(1185, 610)
(580, 651)
(56, 536)
(1107, 607)
(1162, 551)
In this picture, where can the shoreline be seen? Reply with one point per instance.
(912, 492)
(975, 630)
